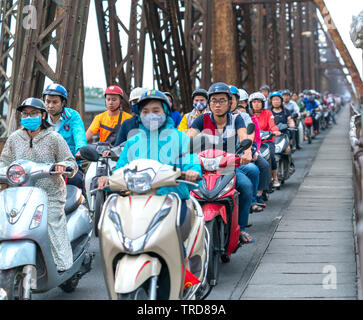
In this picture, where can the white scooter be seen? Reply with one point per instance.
(101, 166)
(145, 251)
(26, 261)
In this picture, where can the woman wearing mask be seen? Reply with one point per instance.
(200, 104)
(266, 121)
(33, 142)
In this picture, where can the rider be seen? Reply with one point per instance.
(223, 124)
(68, 123)
(159, 140)
(312, 106)
(266, 121)
(265, 90)
(258, 184)
(108, 123)
(132, 123)
(38, 142)
(200, 104)
(243, 100)
(287, 109)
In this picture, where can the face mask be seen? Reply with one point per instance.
(153, 121)
(200, 106)
(31, 124)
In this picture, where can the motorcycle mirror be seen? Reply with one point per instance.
(251, 128)
(244, 145)
(89, 154)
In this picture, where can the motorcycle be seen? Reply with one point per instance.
(26, 261)
(265, 152)
(283, 153)
(308, 121)
(146, 252)
(100, 166)
(299, 131)
(219, 200)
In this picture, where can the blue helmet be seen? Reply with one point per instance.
(56, 90)
(276, 94)
(235, 91)
(155, 95)
(219, 87)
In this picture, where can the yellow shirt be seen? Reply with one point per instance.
(104, 120)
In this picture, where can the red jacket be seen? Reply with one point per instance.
(267, 122)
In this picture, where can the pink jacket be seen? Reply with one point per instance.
(257, 132)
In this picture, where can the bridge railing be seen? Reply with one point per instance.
(357, 150)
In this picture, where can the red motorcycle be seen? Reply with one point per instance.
(219, 201)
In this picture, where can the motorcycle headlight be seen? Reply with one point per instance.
(16, 174)
(211, 164)
(37, 217)
(139, 182)
(227, 188)
(279, 147)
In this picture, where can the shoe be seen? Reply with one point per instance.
(256, 208)
(245, 238)
(276, 185)
(260, 202)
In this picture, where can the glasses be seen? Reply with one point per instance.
(32, 114)
(221, 101)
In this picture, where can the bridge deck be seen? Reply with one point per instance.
(312, 253)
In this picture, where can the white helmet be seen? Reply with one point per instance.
(243, 95)
(256, 96)
(136, 93)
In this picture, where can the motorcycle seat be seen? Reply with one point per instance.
(74, 199)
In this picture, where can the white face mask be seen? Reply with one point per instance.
(153, 121)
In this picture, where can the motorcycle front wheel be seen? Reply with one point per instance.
(214, 252)
(138, 294)
(99, 201)
(12, 282)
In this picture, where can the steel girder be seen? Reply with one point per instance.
(57, 24)
(125, 70)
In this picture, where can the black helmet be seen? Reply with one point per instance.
(265, 87)
(219, 87)
(155, 95)
(200, 92)
(32, 102)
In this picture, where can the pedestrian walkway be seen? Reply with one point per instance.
(312, 253)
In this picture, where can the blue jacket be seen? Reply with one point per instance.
(310, 105)
(72, 130)
(171, 143)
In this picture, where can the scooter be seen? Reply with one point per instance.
(100, 166)
(26, 261)
(219, 200)
(283, 153)
(146, 252)
(265, 152)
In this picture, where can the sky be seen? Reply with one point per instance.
(342, 13)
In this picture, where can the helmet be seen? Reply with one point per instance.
(32, 102)
(234, 91)
(200, 92)
(168, 94)
(155, 95)
(243, 95)
(114, 90)
(257, 96)
(56, 90)
(219, 87)
(275, 94)
(265, 87)
(136, 93)
(286, 92)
